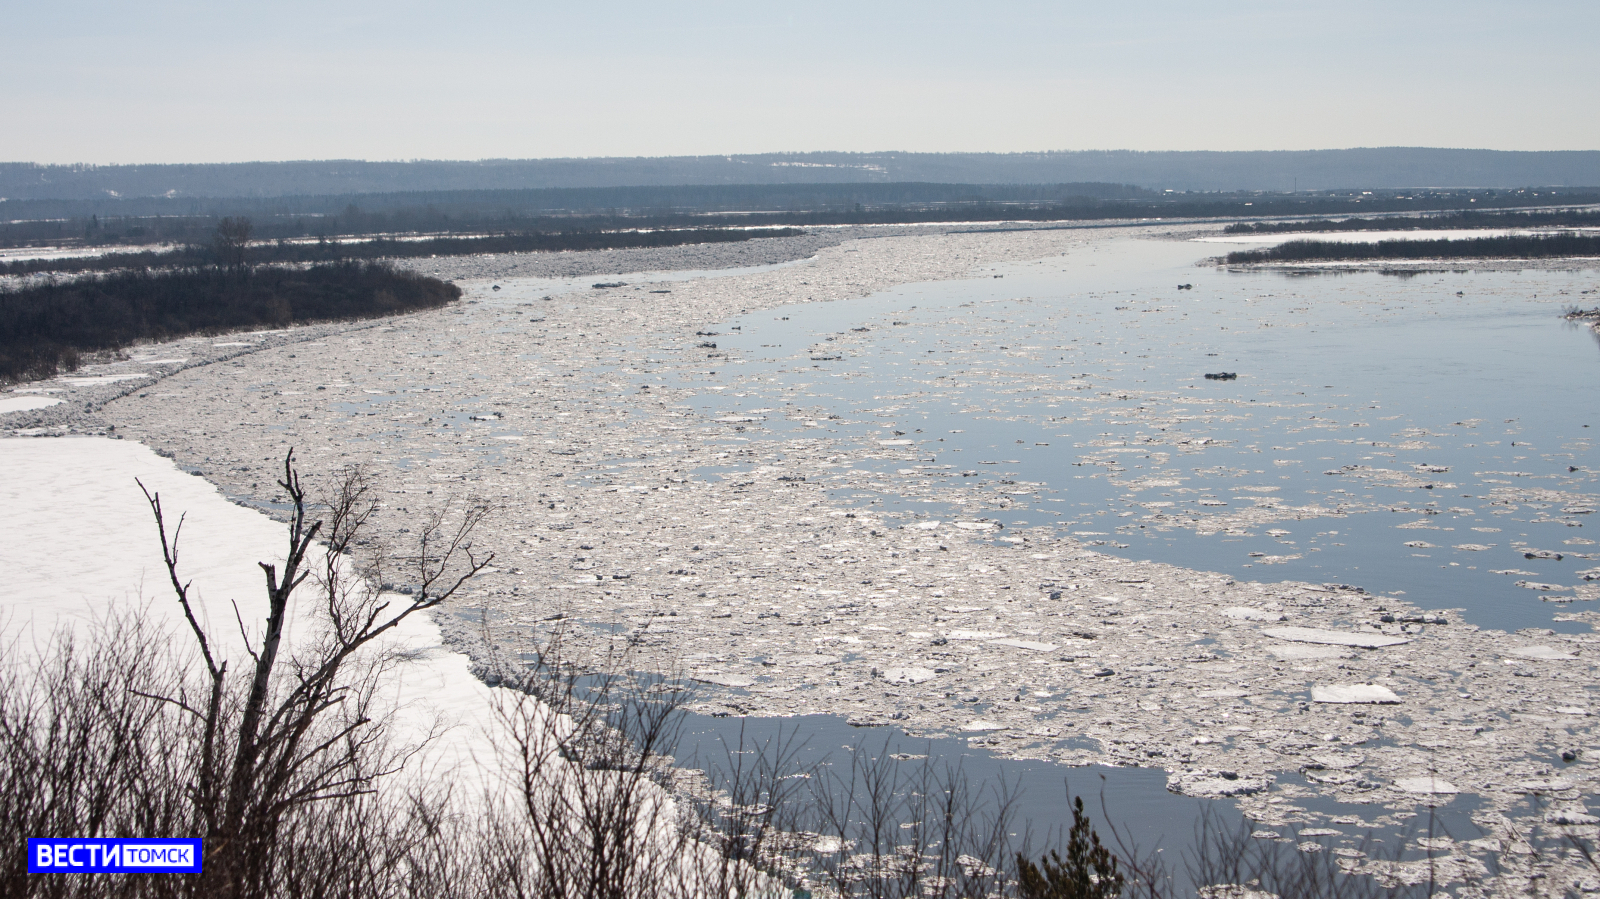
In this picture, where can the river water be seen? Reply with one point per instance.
(1415, 435)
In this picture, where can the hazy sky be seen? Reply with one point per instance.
(159, 81)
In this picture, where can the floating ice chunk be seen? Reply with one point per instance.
(739, 419)
(981, 725)
(1226, 693)
(896, 442)
(93, 380)
(1025, 644)
(1245, 613)
(832, 844)
(813, 661)
(1425, 784)
(722, 680)
(973, 635)
(1547, 588)
(977, 525)
(909, 675)
(1338, 761)
(1293, 652)
(1353, 693)
(1216, 785)
(26, 403)
(1333, 638)
(1542, 654)
(1570, 818)
(1545, 786)
(927, 525)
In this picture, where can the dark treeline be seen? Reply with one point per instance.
(157, 220)
(1560, 218)
(323, 250)
(44, 328)
(639, 199)
(1369, 167)
(1507, 247)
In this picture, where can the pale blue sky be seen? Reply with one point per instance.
(163, 81)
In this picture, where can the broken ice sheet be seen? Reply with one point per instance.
(1427, 784)
(909, 675)
(1543, 654)
(1338, 761)
(1245, 613)
(723, 680)
(1024, 644)
(1333, 638)
(1294, 652)
(754, 545)
(1353, 693)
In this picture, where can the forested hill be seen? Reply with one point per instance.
(1384, 167)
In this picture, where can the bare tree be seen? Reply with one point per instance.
(233, 241)
(303, 731)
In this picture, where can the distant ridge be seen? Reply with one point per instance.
(1276, 170)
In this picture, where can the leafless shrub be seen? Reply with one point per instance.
(1240, 861)
(273, 766)
(746, 808)
(589, 773)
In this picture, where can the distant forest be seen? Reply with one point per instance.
(182, 221)
(645, 199)
(282, 252)
(46, 328)
(1361, 168)
(1508, 247)
(1563, 218)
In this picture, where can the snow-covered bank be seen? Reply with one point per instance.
(83, 546)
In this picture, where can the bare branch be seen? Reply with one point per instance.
(169, 553)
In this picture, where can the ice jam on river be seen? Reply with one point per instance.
(978, 485)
